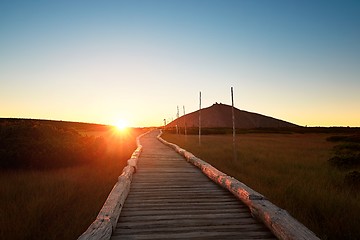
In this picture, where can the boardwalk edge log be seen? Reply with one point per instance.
(108, 216)
(278, 220)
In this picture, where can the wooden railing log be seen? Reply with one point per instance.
(108, 216)
(278, 220)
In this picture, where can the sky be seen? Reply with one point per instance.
(101, 61)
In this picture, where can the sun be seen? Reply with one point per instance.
(121, 124)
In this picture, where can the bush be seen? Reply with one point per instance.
(352, 179)
(347, 147)
(347, 154)
(35, 145)
(353, 138)
(345, 161)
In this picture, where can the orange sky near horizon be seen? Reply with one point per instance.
(138, 60)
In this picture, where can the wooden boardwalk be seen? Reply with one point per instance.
(172, 199)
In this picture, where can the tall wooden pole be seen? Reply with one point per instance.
(177, 116)
(233, 123)
(185, 131)
(200, 120)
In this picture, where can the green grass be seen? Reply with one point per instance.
(61, 203)
(292, 170)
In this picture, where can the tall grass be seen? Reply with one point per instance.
(62, 203)
(292, 170)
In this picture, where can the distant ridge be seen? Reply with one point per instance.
(219, 116)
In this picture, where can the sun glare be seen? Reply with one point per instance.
(121, 124)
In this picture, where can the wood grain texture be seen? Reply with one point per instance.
(279, 221)
(108, 216)
(172, 199)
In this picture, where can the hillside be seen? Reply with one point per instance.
(219, 116)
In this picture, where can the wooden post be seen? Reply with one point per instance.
(185, 131)
(233, 124)
(200, 120)
(177, 116)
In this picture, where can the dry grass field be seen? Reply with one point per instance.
(61, 202)
(292, 170)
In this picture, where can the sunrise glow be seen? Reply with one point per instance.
(87, 61)
(121, 125)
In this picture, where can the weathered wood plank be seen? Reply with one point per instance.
(180, 191)
(183, 200)
(197, 235)
(186, 222)
(178, 204)
(108, 216)
(180, 229)
(171, 211)
(169, 194)
(281, 223)
(185, 195)
(215, 216)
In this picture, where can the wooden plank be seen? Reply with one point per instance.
(171, 211)
(281, 223)
(107, 218)
(185, 198)
(185, 222)
(197, 235)
(180, 193)
(179, 204)
(179, 229)
(171, 199)
(174, 186)
(183, 192)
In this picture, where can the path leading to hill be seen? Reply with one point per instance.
(172, 199)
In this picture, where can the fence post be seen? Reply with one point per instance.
(233, 124)
(200, 120)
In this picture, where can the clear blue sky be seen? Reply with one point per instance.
(98, 61)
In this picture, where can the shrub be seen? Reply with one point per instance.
(345, 161)
(34, 145)
(347, 154)
(347, 147)
(352, 179)
(353, 138)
